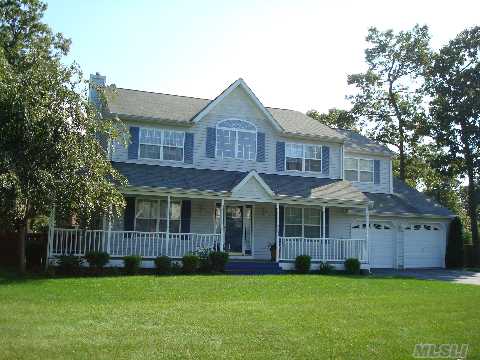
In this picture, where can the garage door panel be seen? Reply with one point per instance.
(381, 240)
(424, 245)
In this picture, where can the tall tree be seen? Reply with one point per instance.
(389, 94)
(49, 154)
(336, 118)
(454, 83)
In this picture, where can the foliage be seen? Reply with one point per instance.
(218, 260)
(97, 259)
(352, 266)
(131, 264)
(50, 153)
(454, 85)
(454, 257)
(337, 119)
(190, 264)
(325, 268)
(390, 94)
(302, 264)
(204, 263)
(163, 265)
(69, 264)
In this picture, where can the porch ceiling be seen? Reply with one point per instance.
(220, 181)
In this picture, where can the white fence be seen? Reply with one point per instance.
(121, 243)
(328, 249)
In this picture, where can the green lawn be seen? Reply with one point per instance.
(263, 317)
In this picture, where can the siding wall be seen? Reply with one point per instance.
(385, 175)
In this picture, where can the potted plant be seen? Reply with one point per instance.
(273, 250)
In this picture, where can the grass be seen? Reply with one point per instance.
(243, 317)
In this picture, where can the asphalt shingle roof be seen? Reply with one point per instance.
(157, 106)
(406, 200)
(358, 142)
(141, 175)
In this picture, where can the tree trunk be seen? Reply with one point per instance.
(22, 240)
(472, 213)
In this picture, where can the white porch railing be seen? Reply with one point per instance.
(319, 249)
(122, 243)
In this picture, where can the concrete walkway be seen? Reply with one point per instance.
(458, 276)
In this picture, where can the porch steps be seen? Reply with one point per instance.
(252, 267)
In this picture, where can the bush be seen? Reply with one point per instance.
(454, 257)
(302, 264)
(190, 264)
(352, 266)
(131, 264)
(163, 264)
(204, 261)
(325, 268)
(69, 264)
(217, 261)
(97, 259)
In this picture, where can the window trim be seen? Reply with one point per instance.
(236, 130)
(304, 158)
(158, 218)
(161, 145)
(358, 169)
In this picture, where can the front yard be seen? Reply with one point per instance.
(263, 317)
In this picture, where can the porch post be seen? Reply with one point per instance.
(323, 233)
(367, 227)
(222, 230)
(168, 223)
(51, 233)
(277, 239)
(109, 230)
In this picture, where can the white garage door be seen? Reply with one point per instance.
(424, 246)
(382, 244)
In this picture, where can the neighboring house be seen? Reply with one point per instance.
(239, 176)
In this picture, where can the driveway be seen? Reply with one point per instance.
(458, 276)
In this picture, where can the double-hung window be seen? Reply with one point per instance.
(306, 222)
(359, 169)
(303, 157)
(236, 139)
(151, 216)
(161, 144)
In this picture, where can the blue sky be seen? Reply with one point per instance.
(293, 54)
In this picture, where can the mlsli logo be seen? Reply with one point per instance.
(444, 351)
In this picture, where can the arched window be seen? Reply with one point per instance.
(236, 139)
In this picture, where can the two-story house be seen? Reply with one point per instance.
(232, 174)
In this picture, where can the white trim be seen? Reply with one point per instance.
(226, 92)
(253, 174)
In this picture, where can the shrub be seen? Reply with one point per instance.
(352, 266)
(69, 264)
(217, 261)
(302, 264)
(190, 264)
(204, 261)
(454, 255)
(97, 259)
(325, 268)
(131, 264)
(163, 264)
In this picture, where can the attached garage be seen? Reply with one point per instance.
(381, 237)
(424, 245)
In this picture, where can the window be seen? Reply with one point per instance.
(161, 144)
(151, 216)
(302, 157)
(358, 169)
(236, 139)
(303, 222)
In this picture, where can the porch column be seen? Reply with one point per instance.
(168, 224)
(277, 239)
(222, 230)
(109, 230)
(323, 233)
(367, 227)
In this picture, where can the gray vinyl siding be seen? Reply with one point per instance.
(202, 219)
(385, 174)
(239, 105)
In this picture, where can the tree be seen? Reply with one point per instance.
(336, 118)
(454, 84)
(390, 93)
(49, 153)
(454, 255)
